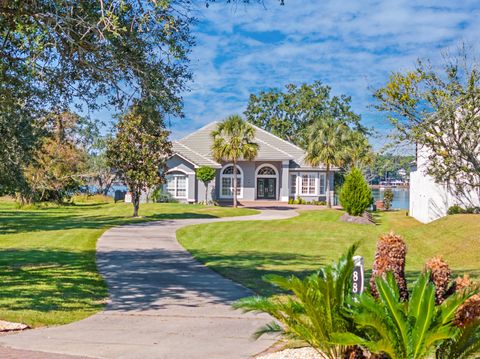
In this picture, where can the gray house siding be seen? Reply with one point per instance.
(178, 165)
(249, 169)
(194, 151)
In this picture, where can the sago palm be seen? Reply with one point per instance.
(327, 138)
(402, 329)
(233, 140)
(313, 311)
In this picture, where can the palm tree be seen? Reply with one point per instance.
(233, 140)
(327, 139)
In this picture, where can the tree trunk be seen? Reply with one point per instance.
(327, 186)
(234, 184)
(135, 202)
(206, 192)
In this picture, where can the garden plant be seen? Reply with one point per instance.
(437, 317)
(388, 198)
(355, 195)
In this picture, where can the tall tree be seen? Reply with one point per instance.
(358, 152)
(140, 150)
(58, 164)
(56, 53)
(288, 113)
(233, 140)
(327, 140)
(439, 109)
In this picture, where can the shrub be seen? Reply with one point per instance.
(401, 329)
(355, 195)
(160, 196)
(390, 257)
(313, 311)
(388, 198)
(455, 209)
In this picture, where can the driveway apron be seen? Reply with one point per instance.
(162, 302)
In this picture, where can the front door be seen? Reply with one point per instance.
(266, 188)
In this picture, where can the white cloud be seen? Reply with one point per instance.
(349, 45)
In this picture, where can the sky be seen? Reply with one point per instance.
(350, 45)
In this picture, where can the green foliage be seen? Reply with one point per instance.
(402, 330)
(233, 140)
(288, 113)
(355, 195)
(57, 167)
(206, 175)
(313, 312)
(388, 198)
(436, 109)
(456, 209)
(91, 54)
(140, 150)
(388, 166)
(161, 196)
(326, 146)
(465, 345)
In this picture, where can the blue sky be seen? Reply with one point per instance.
(350, 45)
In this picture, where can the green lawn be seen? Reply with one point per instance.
(246, 251)
(48, 273)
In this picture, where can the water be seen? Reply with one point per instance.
(401, 197)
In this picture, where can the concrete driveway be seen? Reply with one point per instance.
(163, 303)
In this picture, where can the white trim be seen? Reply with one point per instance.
(175, 189)
(299, 183)
(184, 158)
(178, 169)
(240, 172)
(198, 154)
(324, 175)
(296, 174)
(276, 176)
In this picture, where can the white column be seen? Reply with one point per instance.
(284, 190)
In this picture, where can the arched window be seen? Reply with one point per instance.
(228, 170)
(226, 182)
(266, 171)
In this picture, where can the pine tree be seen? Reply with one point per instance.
(355, 195)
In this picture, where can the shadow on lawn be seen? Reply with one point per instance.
(140, 280)
(45, 280)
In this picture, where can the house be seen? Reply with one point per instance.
(430, 200)
(279, 171)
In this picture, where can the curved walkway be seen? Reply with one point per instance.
(163, 303)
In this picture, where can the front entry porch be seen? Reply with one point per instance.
(266, 188)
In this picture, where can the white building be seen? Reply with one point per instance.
(429, 200)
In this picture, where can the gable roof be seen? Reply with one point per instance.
(196, 148)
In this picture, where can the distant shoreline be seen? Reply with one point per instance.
(377, 186)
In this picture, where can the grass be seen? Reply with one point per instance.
(246, 251)
(48, 273)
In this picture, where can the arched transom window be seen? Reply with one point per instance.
(226, 182)
(266, 171)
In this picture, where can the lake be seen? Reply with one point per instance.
(401, 197)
